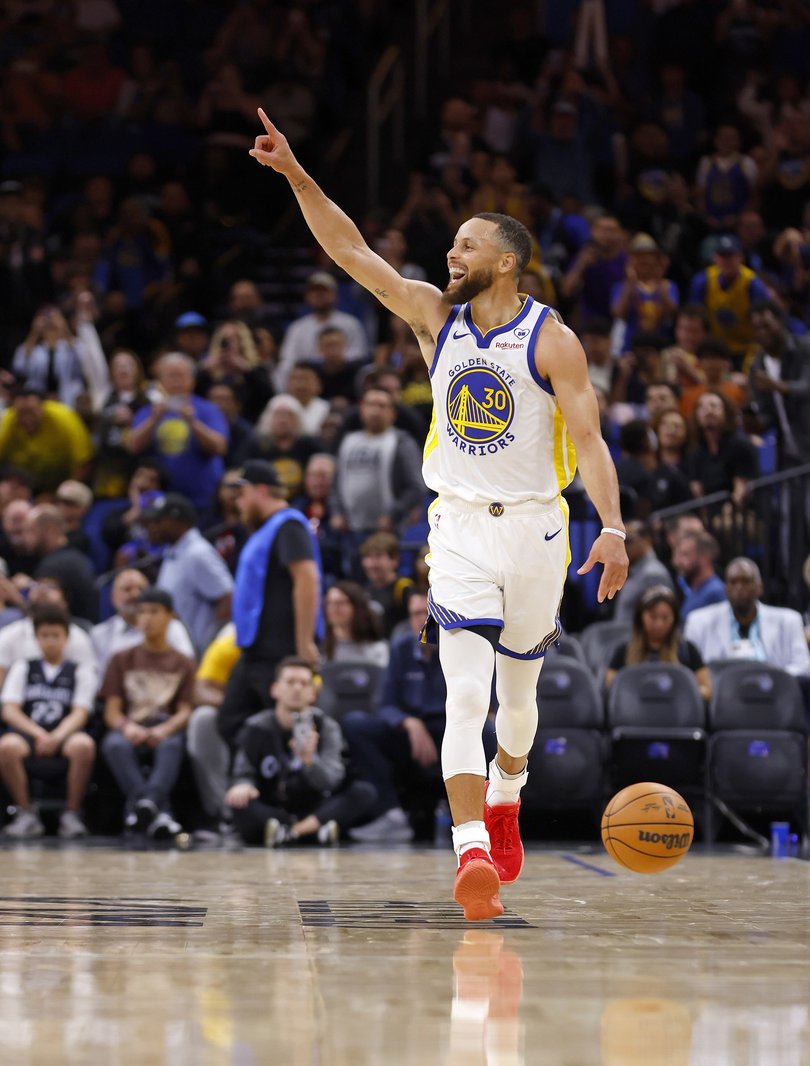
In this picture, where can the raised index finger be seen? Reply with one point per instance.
(268, 125)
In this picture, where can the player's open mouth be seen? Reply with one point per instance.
(456, 275)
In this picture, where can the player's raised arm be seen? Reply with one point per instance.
(560, 358)
(415, 301)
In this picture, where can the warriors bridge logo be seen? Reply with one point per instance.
(480, 409)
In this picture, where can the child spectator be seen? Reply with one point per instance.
(148, 692)
(47, 702)
(289, 774)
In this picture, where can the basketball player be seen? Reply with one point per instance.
(513, 413)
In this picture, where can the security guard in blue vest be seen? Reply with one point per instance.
(277, 594)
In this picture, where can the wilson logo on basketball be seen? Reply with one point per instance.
(669, 840)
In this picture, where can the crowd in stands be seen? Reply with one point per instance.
(663, 169)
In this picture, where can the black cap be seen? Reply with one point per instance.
(159, 596)
(257, 472)
(728, 245)
(170, 505)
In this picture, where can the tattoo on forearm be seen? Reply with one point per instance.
(383, 295)
(299, 186)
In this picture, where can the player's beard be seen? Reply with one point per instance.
(469, 287)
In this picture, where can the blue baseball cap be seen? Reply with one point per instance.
(191, 320)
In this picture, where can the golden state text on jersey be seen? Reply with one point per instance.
(497, 430)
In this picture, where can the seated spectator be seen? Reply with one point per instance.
(147, 692)
(378, 483)
(47, 701)
(47, 359)
(229, 533)
(405, 735)
(636, 463)
(224, 395)
(191, 335)
(746, 628)
(188, 435)
(386, 588)
(646, 570)
(73, 501)
(338, 373)
(693, 558)
(722, 459)
(304, 384)
(289, 775)
(121, 632)
(600, 265)
(595, 336)
(13, 543)
(656, 638)
(353, 631)
(234, 359)
(646, 300)
(45, 537)
(660, 396)
(780, 383)
(714, 366)
(18, 640)
(726, 180)
(638, 369)
(691, 327)
(279, 439)
(209, 754)
(46, 439)
(406, 418)
(319, 477)
(301, 339)
(191, 571)
(728, 291)
(670, 484)
(122, 523)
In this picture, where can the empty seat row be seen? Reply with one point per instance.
(749, 748)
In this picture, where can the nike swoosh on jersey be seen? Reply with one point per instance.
(551, 536)
(458, 336)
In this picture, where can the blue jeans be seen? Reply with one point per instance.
(144, 772)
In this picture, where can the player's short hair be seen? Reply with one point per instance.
(512, 235)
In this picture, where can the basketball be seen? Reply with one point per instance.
(647, 827)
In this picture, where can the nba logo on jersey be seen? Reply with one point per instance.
(480, 408)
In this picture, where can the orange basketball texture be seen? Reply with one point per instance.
(647, 827)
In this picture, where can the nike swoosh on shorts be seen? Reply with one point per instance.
(551, 536)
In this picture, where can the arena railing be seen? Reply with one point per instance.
(771, 526)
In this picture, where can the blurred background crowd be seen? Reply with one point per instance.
(166, 318)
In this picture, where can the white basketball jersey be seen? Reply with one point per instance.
(497, 435)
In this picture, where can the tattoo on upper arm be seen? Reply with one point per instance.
(299, 186)
(383, 295)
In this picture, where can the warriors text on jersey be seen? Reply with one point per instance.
(497, 433)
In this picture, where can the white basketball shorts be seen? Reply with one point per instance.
(501, 565)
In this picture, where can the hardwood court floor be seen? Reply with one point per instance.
(346, 957)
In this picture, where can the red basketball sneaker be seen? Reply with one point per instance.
(477, 885)
(504, 838)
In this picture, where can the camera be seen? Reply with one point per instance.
(302, 729)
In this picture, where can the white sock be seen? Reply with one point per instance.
(504, 787)
(470, 835)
